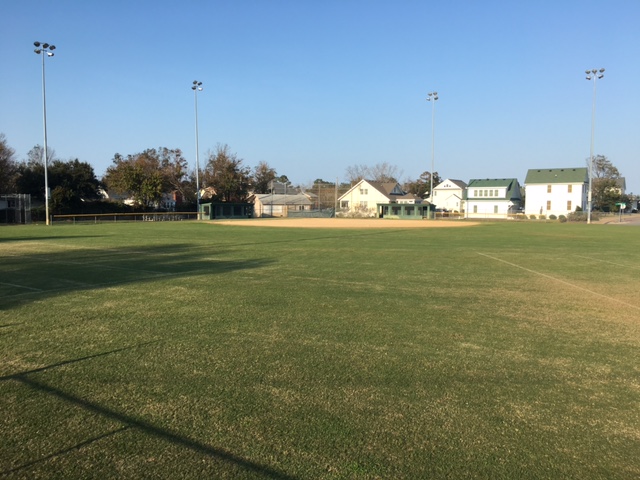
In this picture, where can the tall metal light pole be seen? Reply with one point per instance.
(592, 75)
(197, 87)
(432, 97)
(45, 50)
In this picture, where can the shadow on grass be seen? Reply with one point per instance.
(64, 451)
(129, 422)
(75, 360)
(28, 277)
(43, 238)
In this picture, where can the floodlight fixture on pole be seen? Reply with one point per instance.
(46, 50)
(432, 97)
(592, 75)
(197, 87)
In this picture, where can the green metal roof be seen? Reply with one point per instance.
(491, 182)
(511, 184)
(557, 175)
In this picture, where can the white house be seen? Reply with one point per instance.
(492, 198)
(556, 191)
(449, 195)
(365, 196)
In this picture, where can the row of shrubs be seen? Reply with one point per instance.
(571, 217)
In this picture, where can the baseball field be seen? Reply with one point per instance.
(363, 349)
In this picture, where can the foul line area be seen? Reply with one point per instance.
(613, 299)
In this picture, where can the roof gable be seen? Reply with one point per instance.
(451, 183)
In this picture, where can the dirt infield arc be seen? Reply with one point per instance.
(344, 223)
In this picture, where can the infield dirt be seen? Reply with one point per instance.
(344, 223)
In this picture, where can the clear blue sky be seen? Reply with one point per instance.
(312, 87)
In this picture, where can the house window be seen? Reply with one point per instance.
(491, 193)
(569, 204)
(569, 188)
(485, 193)
(496, 193)
(548, 188)
(475, 209)
(495, 209)
(344, 204)
(475, 193)
(363, 204)
(548, 204)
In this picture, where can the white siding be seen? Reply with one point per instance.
(498, 208)
(538, 198)
(448, 195)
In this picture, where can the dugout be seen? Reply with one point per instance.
(211, 211)
(404, 211)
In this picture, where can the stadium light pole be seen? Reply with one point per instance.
(432, 97)
(197, 87)
(45, 50)
(592, 75)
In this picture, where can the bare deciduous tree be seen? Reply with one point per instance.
(380, 172)
(263, 174)
(226, 174)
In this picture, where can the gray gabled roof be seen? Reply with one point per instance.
(557, 175)
(392, 191)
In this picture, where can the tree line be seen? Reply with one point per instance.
(145, 178)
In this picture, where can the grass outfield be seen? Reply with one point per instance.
(191, 350)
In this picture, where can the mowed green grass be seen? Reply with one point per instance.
(191, 350)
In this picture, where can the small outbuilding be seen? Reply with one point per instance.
(280, 205)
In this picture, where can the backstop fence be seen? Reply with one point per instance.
(321, 213)
(15, 208)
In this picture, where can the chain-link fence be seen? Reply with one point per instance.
(15, 208)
